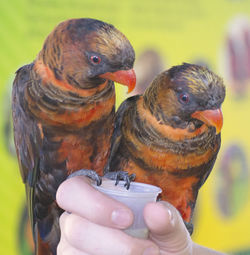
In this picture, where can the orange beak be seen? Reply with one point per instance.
(124, 77)
(210, 118)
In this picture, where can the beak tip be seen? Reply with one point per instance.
(219, 127)
(131, 86)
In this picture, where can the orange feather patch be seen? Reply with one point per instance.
(79, 118)
(177, 191)
(48, 77)
(78, 152)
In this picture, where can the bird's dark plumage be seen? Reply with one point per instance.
(170, 135)
(63, 113)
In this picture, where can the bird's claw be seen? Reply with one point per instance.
(89, 173)
(121, 176)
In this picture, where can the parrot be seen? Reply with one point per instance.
(63, 110)
(171, 134)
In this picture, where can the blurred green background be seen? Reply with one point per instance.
(214, 33)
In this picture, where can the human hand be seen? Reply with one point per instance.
(95, 225)
(95, 222)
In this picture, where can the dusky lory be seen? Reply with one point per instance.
(170, 135)
(63, 114)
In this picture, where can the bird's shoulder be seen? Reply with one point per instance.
(124, 107)
(23, 75)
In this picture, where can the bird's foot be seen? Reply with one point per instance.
(121, 176)
(190, 227)
(89, 173)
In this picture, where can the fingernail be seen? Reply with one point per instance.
(121, 218)
(151, 251)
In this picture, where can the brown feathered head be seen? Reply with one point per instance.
(187, 94)
(85, 52)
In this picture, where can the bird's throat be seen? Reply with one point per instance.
(57, 103)
(175, 134)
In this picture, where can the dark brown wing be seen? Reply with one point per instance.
(36, 156)
(26, 134)
(24, 127)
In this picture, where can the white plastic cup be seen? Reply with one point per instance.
(136, 197)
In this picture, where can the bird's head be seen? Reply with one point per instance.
(187, 96)
(86, 52)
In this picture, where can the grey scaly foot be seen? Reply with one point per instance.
(89, 173)
(121, 176)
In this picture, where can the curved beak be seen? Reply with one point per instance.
(210, 118)
(124, 77)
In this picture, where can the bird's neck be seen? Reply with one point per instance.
(59, 103)
(167, 131)
(48, 77)
(160, 139)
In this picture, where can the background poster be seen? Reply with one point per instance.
(164, 33)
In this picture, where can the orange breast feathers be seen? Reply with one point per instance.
(80, 117)
(80, 153)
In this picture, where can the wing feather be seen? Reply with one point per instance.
(117, 134)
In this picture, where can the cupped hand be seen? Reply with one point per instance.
(93, 224)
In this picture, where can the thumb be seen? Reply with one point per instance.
(167, 229)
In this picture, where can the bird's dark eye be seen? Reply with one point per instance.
(184, 98)
(95, 59)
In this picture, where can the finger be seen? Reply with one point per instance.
(167, 229)
(76, 195)
(96, 239)
(62, 221)
(64, 248)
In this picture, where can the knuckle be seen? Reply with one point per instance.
(63, 219)
(60, 248)
(75, 229)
